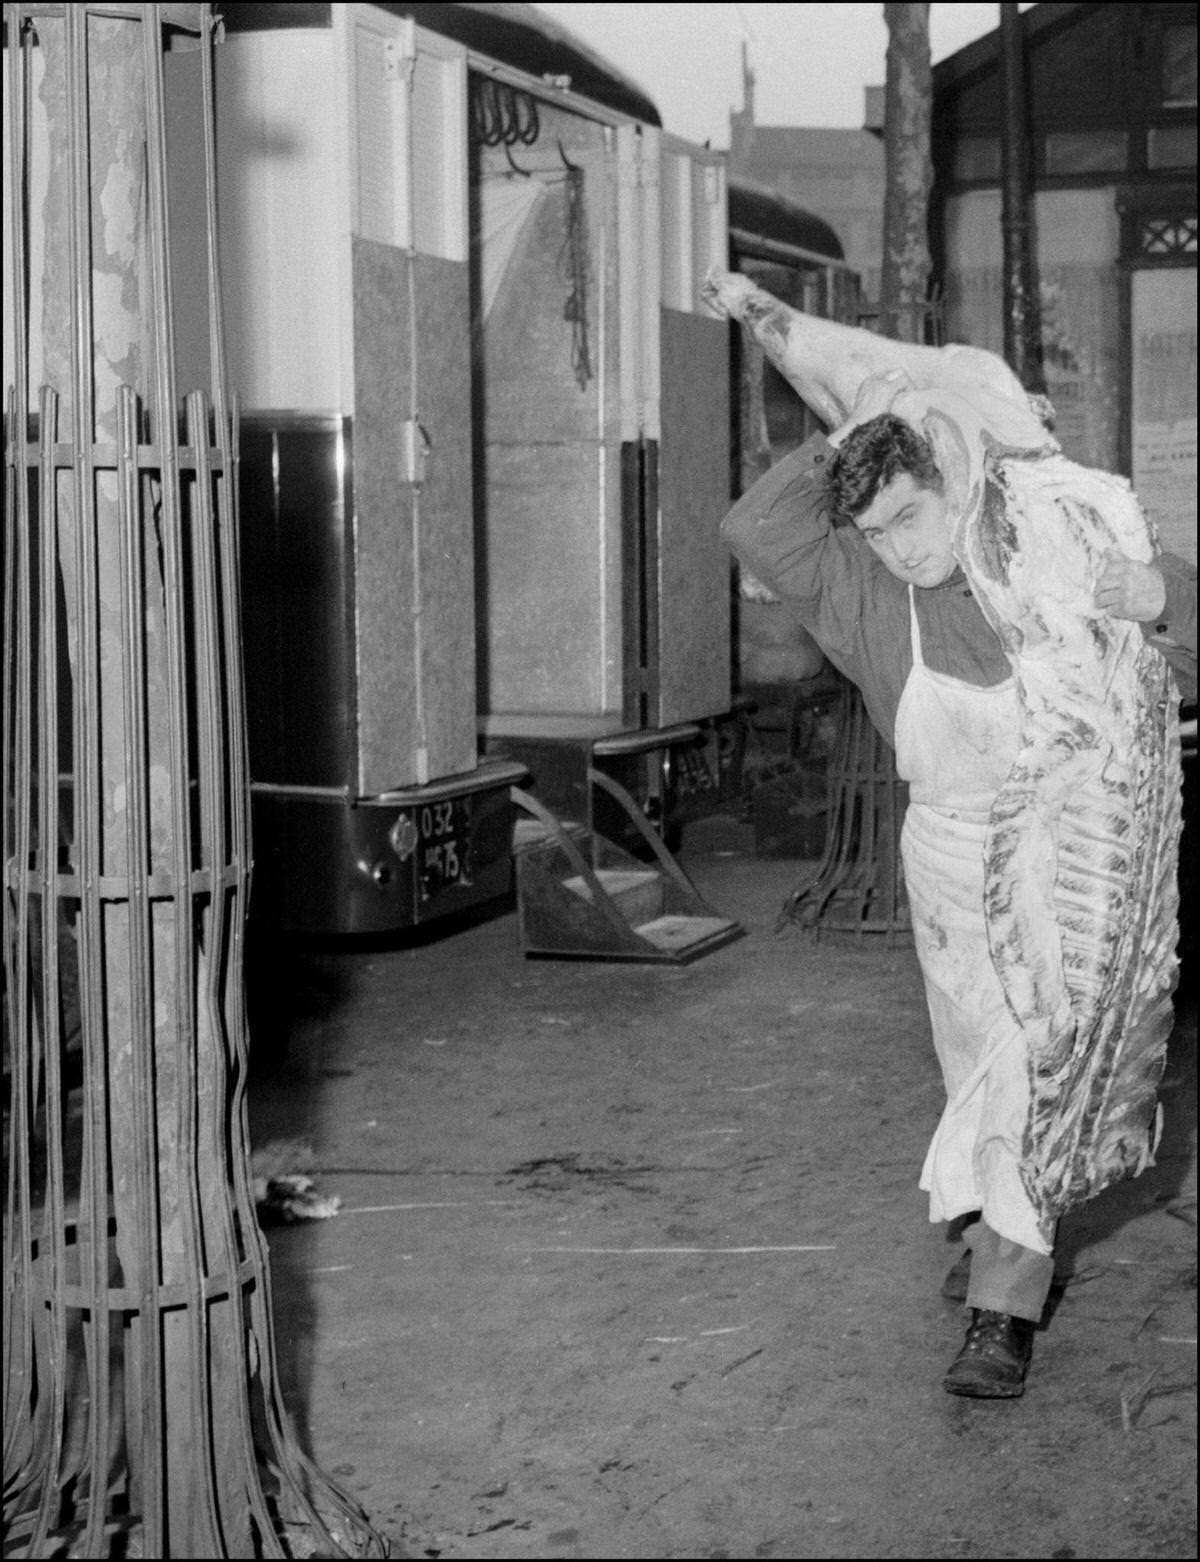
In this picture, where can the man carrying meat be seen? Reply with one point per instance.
(856, 529)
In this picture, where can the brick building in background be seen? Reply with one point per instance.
(835, 174)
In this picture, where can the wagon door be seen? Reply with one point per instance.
(683, 409)
(411, 355)
(551, 652)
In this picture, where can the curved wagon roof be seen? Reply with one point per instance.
(758, 211)
(515, 35)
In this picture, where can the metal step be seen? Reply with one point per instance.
(580, 896)
(683, 933)
(531, 831)
(638, 892)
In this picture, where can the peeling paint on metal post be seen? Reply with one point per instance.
(909, 169)
(1022, 306)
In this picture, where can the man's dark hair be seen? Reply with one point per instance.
(870, 457)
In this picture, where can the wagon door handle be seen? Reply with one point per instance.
(417, 448)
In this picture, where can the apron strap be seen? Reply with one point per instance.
(914, 629)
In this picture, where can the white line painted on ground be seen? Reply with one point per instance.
(807, 1248)
(389, 1209)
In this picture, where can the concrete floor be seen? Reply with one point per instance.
(632, 1263)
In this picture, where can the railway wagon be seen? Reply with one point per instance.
(486, 427)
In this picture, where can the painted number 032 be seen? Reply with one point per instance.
(443, 854)
(437, 819)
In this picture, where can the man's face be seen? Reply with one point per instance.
(908, 527)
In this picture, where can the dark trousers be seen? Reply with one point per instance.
(1006, 1277)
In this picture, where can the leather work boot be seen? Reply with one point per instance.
(994, 1358)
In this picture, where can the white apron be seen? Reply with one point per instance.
(955, 744)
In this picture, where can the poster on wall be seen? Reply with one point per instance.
(1080, 347)
(1163, 428)
(1081, 360)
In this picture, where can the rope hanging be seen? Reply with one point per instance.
(573, 267)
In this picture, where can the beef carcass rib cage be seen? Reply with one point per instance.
(1080, 865)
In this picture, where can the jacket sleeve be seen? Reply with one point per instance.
(780, 529)
(1173, 632)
